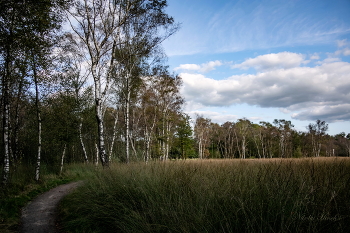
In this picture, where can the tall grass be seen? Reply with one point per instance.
(299, 195)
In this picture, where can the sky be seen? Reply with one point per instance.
(264, 60)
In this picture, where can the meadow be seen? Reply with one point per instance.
(257, 195)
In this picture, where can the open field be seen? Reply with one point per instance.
(279, 195)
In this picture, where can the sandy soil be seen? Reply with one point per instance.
(40, 215)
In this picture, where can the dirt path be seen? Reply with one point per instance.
(40, 215)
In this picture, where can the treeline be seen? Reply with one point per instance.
(244, 139)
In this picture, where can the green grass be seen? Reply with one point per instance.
(22, 188)
(290, 195)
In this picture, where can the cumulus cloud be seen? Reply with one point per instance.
(188, 67)
(203, 68)
(282, 60)
(305, 92)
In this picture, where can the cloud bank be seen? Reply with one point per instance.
(281, 81)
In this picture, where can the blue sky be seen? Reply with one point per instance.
(264, 60)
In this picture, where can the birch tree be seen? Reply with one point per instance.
(115, 35)
(96, 23)
(284, 131)
(26, 29)
(202, 135)
(142, 33)
(317, 131)
(169, 102)
(243, 127)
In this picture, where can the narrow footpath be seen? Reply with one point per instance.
(40, 215)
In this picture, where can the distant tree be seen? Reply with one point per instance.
(202, 135)
(343, 142)
(227, 146)
(242, 129)
(184, 136)
(284, 129)
(317, 131)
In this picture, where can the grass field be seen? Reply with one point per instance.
(272, 195)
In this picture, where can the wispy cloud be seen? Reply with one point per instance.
(238, 25)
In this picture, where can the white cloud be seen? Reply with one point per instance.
(282, 60)
(342, 43)
(314, 56)
(203, 68)
(217, 117)
(188, 67)
(329, 60)
(306, 92)
(206, 67)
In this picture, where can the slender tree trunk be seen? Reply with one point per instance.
(6, 113)
(113, 137)
(82, 142)
(99, 118)
(148, 139)
(237, 144)
(257, 146)
(243, 147)
(132, 143)
(62, 158)
(97, 155)
(127, 121)
(318, 149)
(16, 128)
(38, 112)
(167, 127)
(200, 148)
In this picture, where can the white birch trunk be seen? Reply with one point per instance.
(6, 172)
(97, 155)
(99, 117)
(62, 158)
(200, 154)
(127, 127)
(239, 150)
(243, 147)
(38, 160)
(113, 137)
(82, 142)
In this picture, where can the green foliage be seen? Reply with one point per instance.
(284, 195)
(184, 143)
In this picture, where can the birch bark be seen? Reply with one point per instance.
(38, 114)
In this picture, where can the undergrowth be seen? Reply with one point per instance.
(22, 188)
(289, 195)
